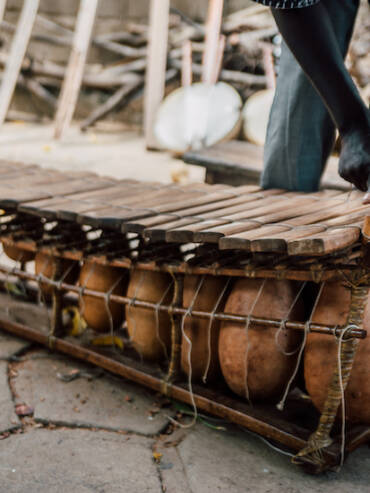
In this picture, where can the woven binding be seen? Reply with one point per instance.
(312, 454)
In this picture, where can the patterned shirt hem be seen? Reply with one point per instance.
(287, 4)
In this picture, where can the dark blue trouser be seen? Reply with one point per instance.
(300, 133)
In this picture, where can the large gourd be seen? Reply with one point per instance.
(46, 265)
(18, 254)
(149, 331)
(321, 355)
(253, 364)
(102, 278)
(202, 334)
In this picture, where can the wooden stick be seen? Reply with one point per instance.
(268, 63)
(48, 38)
(227, 75)
(50, 25)
(213, 30)
(105, 41)
(38, 90)
(186, 64)
(17, 53)
(116, 99)
(220, 58)
(123, 37)
(22, 116)
(157, 61)
(326, 242)
(247, 12)
(123, 95)
(2, 9)
(72, 82)
(120, 49)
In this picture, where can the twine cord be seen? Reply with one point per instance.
(284, 321)
(209, 330)
(247, 325)
(156, 314)
(129, 310)
(108, 310)
(342, 390)
(188, 340)
(280, 406)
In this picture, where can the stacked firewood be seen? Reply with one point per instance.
(251, 49)
(359, 54)
(118, 79)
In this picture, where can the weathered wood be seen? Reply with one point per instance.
(242, 240)
(2, 9)
(187, 214)
(156, 66)
(366, 227)
(279, 242)
(66, 207)
(119, 49)
(186, 64)
(38, 90)
(16, 55)
(72, 82)
(50, 71)
(243, 218)
(117, 98)
(226, 75)
(220, 57)
(268, 210)
(12, 197)
(243, 162)
(213, 31)
(327, 242)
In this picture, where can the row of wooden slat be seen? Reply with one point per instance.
(245, 218)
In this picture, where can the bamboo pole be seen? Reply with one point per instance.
(213, 30)
(2, 9)
(156, 67)
(17, 53)
(357, 333)
(72, 82)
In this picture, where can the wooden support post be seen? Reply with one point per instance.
(2, 9)
(186, 65)
(73, 79)
(213, 30)
(17, 53)
(156, 66)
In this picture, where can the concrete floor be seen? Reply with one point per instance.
(118, 154)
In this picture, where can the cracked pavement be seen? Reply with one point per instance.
(100, 433)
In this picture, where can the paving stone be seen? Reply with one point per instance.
(31, 314)
(8, 418)
(236, 462)
(11, 345)
(172, 471)
(23, 313)
(78, 461)
(106, 402)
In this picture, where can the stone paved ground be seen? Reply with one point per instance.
(102, 434)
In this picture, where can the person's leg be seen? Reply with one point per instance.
(301, 132)
(310, 34)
